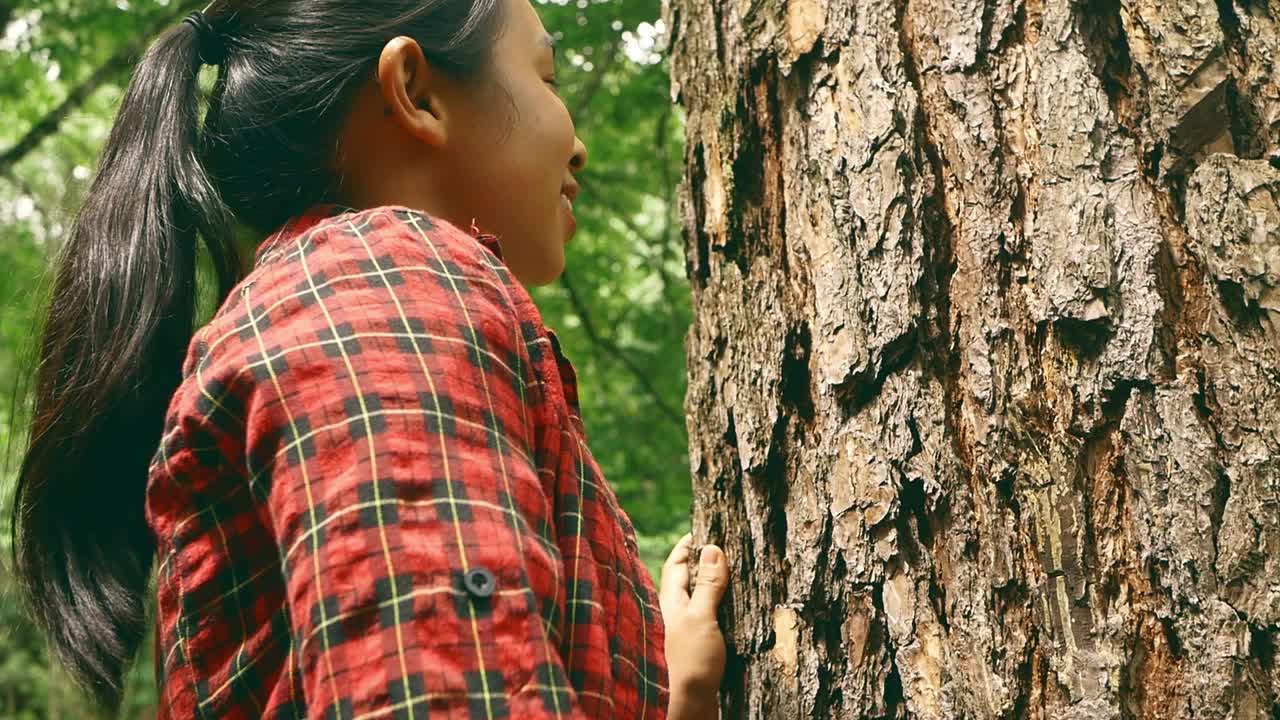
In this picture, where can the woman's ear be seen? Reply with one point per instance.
(412, 91)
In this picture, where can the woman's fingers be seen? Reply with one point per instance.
(713, 579)
(674, 590)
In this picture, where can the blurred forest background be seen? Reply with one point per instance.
(621, 308)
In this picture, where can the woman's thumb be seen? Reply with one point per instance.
(712, 580)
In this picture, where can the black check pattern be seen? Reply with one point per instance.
(374, 497)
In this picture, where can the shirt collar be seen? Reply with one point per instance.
(487, 240)
(320, 212)
(299, 224)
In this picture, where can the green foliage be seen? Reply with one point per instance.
(621, 310)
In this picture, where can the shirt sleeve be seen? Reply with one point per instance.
(398, 398)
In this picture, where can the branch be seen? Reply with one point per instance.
(612, 348)
(630, 227)
(6, 13)
(623, 218)
(594, 83)
(663, 241)
(668, 189)
(121, 60)
(20, 184)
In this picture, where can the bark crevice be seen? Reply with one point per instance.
(992, 322)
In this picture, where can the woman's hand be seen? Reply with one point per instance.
(695, 646)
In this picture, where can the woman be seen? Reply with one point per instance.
(365, 492)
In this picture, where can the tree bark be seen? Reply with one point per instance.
(984, 377)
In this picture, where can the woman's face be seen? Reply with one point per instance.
(499, 150)
(512, 151)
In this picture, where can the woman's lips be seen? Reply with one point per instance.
(567, 204)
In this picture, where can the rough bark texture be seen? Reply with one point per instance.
(985, 374)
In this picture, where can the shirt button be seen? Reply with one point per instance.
(480, 582)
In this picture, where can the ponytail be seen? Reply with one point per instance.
(118, 325)
(124, 291)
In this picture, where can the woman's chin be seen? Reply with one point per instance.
(549, 272)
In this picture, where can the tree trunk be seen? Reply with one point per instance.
(984, 380)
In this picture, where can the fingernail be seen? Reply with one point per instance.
(710, 556)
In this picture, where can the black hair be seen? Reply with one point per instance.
(122, 310)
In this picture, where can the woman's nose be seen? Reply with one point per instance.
(579, 159)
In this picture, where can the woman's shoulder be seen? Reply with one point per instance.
(335, 266)
(336, 233)
(332, 248)
(356, 293)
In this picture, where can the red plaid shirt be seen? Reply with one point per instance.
(374, 497)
